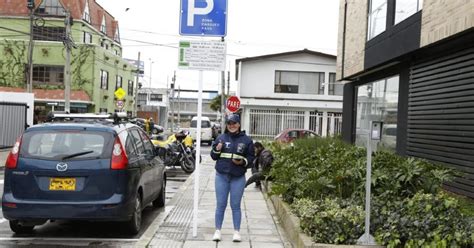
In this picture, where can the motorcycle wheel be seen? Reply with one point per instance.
(188, 164)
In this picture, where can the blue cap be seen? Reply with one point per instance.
(233, 117)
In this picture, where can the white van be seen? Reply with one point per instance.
(206, 129)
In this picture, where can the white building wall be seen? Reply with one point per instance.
(257, 77)
(257, 82)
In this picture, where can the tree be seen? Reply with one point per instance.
(216, 103)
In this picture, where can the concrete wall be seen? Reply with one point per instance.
(442, 19)
(355, 37)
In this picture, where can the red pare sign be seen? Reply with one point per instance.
(233, 104)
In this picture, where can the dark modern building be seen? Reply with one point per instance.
(410, 64)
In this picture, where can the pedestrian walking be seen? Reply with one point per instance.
(233, 151)
(261, 165)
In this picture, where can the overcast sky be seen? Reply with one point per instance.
(254, 27)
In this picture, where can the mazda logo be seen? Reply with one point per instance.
(61, 167)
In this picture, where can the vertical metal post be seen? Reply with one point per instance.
(366, 238)
(67, 67)
(179, 105)
(198, 155)
(172, 101)
(222, 98)
(29, 81)
(135, 106)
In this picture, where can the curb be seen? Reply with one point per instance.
(291, 226)
(148, 235)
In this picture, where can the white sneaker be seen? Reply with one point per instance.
(217, 236)
(236, 237)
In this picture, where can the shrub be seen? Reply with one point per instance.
(330, 221)
(325, 179)
(425, 220)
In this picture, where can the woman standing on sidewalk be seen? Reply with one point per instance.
(233, 151)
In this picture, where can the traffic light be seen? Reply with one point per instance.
(30, 4)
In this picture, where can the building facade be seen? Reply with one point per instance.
(295, 89)
(410, 64)
(97, 66)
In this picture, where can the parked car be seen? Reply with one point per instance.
(206, 130)
(290, 134)
(216, 130)
(82, 167)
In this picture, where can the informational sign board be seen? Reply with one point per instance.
(233, 104)
(203, 18)
(202, 55)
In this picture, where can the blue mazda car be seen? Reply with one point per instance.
(82, 167)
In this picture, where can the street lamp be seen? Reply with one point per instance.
(151, 67)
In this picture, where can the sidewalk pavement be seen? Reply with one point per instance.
(259, 229)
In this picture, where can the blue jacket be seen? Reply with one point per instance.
(224, 157)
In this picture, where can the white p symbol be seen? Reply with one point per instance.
(192, 10)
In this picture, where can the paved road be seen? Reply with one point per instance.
(87, 233)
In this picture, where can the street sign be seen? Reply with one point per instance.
(203, 18)
(202, 55)
(120, 93)
(233, 104)
(119, 104)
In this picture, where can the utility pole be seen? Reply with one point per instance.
(29, 80)
(179, 105)
(135, 107)
(67, 67)
(228, 83)
(222, 98)
(172, 101)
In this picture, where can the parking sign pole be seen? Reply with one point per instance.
(198, 155)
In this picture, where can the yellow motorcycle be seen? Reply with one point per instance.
(177, 150)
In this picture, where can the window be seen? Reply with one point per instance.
(104, 80)
(130, 87)
(102, 110)
(142, 97)
(156, 97)
(138, 141)
(49, 33)
(118, 83)
(299, 82)
(377, 101)
(87, 38)
(53, 75)
(335, 88)
(103, 28)
(149, 150)
(50, 7)
(406, 8)
(86, 16)
(377, 18)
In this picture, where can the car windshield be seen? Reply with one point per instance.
(65, 144)
(204, 124)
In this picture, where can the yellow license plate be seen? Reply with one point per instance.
(66, 184)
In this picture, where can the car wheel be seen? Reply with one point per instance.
(155, 131)
(134, 224)
(160, 200)
(16, 227)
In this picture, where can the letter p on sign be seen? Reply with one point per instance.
(193, 10)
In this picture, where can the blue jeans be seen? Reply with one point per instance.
(226, 184)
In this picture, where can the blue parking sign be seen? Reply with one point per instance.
(203, 18)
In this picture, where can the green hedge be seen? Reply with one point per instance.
(325, 181)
